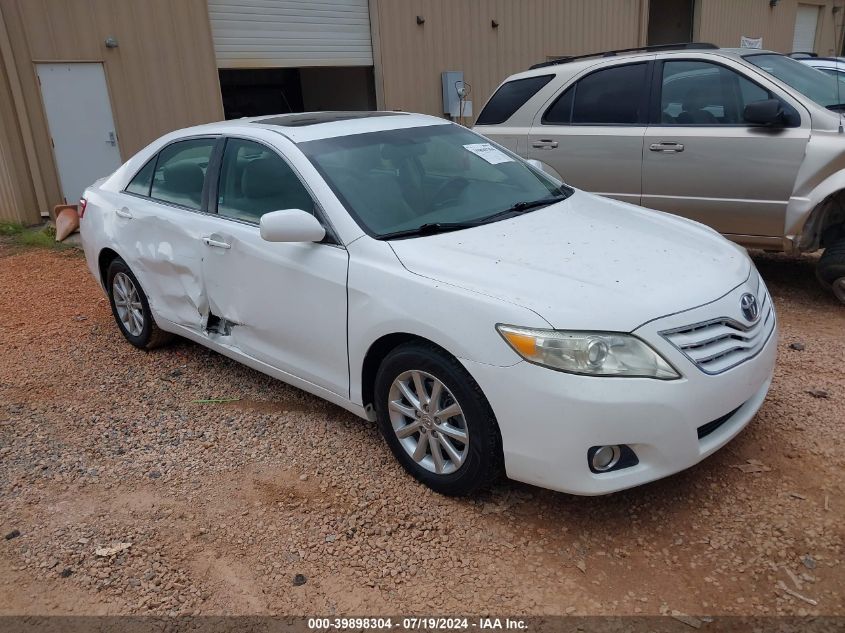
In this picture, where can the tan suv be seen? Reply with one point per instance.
(749, 142)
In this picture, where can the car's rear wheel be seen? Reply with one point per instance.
(436, 420)
(831, 268)
(131, 309)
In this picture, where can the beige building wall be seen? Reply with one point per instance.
(723, 22)
(162, 76)
(459, 35)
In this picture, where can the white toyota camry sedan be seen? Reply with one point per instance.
(488, 317)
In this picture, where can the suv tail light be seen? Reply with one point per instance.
(82, 204)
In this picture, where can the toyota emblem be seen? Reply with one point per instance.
(750, 308)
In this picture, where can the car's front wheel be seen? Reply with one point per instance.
(831, 268)
(131, 309)
(436, 420)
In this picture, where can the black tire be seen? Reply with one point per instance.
(831, 268)
(150, 335)
(483, 462)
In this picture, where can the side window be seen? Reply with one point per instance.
(560, 112)
(701, 93)
(140, 184)
(255, 180)
(509, 98)
(613, 96)
(180, 172)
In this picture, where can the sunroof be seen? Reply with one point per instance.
(315, 118)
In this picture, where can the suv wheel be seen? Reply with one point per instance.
(436, 420)
(831, 268)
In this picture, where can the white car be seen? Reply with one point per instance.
(409, 270)
(834, 66)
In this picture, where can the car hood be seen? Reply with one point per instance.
(585, 263)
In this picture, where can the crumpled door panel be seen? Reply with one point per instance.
(162, 245)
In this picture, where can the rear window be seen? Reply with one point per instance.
(509, 98)
(611, 96)
(140, 184)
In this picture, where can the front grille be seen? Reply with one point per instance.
(720, 344)
(706, 429)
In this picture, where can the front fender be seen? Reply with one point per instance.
(804, 214)
(384, 298)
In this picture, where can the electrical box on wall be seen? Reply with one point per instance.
(453, 81)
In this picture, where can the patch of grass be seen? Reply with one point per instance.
(37, 236)
(10, 228)
(43, 238)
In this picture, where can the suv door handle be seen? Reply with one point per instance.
(666, 147)
(123, 213)
(209, 241)
(544, 143)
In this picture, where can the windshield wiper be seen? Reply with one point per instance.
(836, 107)
(444, 227)
(527, 205)
(430, 229)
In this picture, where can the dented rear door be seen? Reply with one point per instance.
(161, 245)
(157, 224)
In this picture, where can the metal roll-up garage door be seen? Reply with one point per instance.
(290, 33)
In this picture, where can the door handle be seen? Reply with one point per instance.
(544, 143)
(215, 243)
(668, 147)
(112, 140)
(124, 213)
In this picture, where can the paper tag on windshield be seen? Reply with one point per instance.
(489, 153)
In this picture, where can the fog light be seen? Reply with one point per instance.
(605, 458)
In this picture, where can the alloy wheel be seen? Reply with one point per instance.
(127, 301)
(428, 421)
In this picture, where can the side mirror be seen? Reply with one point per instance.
(765, 112)
(290, 225)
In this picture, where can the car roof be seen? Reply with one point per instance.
(827, 62)
(301, 127)
(577, 65)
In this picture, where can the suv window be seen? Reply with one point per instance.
(612, 96)
(560, 112)
(509, 98)
(180, 172)
(140, 184)
(702, 93)
(255, 180)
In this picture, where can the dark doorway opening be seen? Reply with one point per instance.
(670, 21)
(253, 92)
(262, 91)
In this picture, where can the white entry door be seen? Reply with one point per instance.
(76, 100)
(806, 23)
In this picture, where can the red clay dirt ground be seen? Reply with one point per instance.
(224, 504)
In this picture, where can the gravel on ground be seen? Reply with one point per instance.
(121, 493)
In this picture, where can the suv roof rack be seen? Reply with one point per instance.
(690, 46)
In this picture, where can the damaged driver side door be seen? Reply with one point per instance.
(283, 304)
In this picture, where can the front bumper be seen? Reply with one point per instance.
(549, 419)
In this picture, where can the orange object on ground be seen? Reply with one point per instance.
(67, 221)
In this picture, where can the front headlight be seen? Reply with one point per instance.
(588, 353)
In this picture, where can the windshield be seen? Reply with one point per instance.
(809, 81)
(395, 181)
